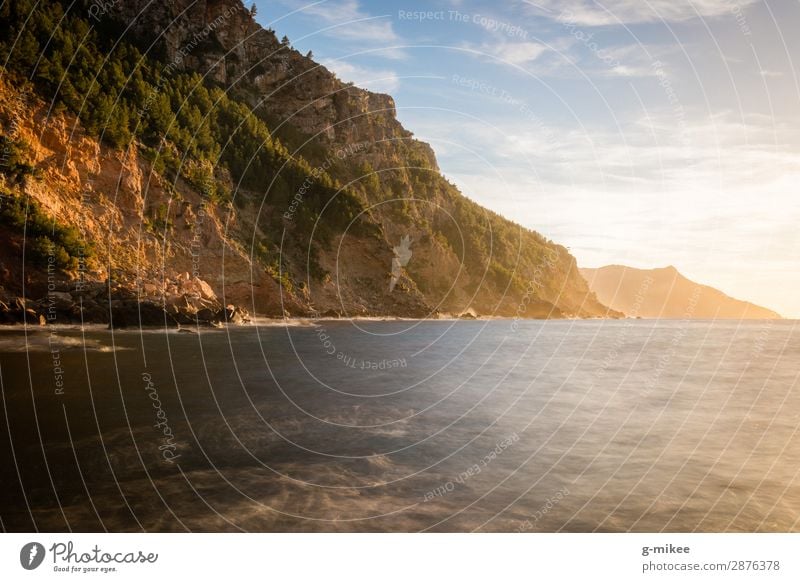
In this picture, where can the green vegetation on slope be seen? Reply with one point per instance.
(47, 240)
(193, 129)
(185, 124)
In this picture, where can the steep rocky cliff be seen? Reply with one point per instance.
(221, 40)
(204, 162)
(148, 238)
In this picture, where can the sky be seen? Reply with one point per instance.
(638, 132)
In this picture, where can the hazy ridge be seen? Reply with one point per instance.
(666, 293)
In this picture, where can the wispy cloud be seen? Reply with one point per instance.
(348, 22)
(381, 81)
(653, 191)
(709, 195)
(627, 61)
(516, 53)
(511, 53)
(569, 56)
(610, 12)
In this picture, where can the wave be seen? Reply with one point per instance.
(40, 341)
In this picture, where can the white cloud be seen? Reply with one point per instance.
(355, 23)
(519, 53)
(632, 60)
(568, 57)
(380, 81)
(514, 53)
(351, 26)
(595, 13)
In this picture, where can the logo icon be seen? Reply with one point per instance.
(402, 254)
(31, 555)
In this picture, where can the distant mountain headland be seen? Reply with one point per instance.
(665, 293)
(177, 154)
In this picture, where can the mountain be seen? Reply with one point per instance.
(666, 293)
(176, 154)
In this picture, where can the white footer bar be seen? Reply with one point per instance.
(400, 557)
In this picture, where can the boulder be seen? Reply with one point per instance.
(234, 314)
(145, 314)
(61, 296)
(205, 290)
(206, 315)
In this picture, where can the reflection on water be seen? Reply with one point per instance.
(404, 426)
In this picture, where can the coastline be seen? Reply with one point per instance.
(302, 321)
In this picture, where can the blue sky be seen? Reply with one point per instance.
(644, 133)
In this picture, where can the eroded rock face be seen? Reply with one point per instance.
(111, 197)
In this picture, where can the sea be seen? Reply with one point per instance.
(403, 426)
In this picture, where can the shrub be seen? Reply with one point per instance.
(45, 237)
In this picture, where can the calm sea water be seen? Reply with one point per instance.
(404, 426)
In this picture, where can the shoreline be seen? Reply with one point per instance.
(311, 322)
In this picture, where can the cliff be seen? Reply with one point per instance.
(185, 156)
(665, 293)
(220, 40)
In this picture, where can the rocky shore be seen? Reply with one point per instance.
(185, 301)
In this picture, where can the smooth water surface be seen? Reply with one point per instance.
(404, 426)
